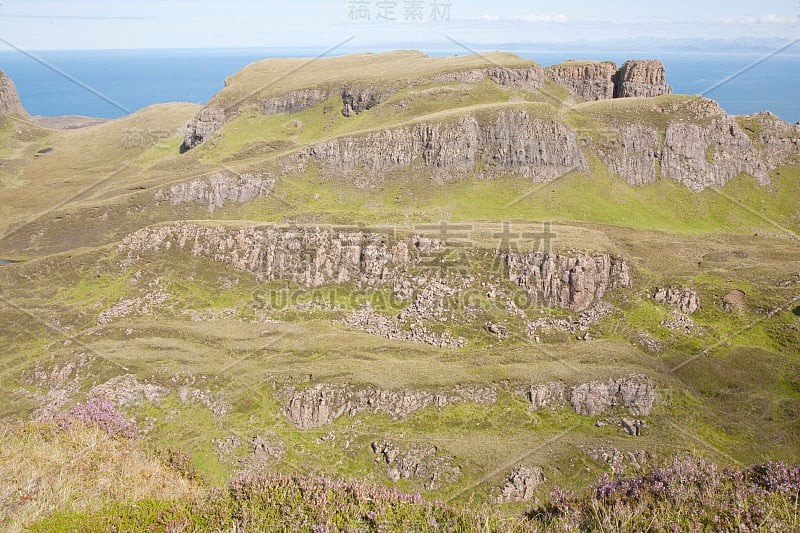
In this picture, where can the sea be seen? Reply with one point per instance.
(110, 84)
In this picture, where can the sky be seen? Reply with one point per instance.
(324, 24)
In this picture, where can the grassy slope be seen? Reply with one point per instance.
(670, 235)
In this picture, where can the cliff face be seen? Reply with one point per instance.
(513, 142)
(641, 78)
(529, 78)
(573, 283)
(590, 81)
(10, 103)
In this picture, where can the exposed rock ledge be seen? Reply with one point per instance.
(322, 404)
(635, 393)
(218, 189)
(310, 257)
(573, 283)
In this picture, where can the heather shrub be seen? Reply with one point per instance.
(97, 413)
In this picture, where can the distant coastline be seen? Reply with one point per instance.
(138, 78)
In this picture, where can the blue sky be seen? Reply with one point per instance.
(95, 24)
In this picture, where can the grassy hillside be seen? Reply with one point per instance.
(200, 352)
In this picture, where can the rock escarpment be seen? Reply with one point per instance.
(323, 404)
(310, 257)
(589, 80)
(529, 78)
(641, 78)
(10, 104)
(512, 141)
(217, 190)
(573, 283)
(634, 393)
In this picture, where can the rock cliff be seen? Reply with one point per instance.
(510, 141)
(641, 78)
(589, 80)
(573, 283)
(10, 104)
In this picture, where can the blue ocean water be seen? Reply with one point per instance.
(109, 84)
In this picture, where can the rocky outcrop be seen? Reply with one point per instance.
(779, 140)
(293, 102)
(310, 257)
(322, 404)
(573, 283)
(10, 104)
(521, 485)
(528, 78)
(589, 80)
(682, 298)
(641, 78)
(419, 461)
(217, 190)
(356, 100)
(514, 141)
(634, 393)
(202, 127)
